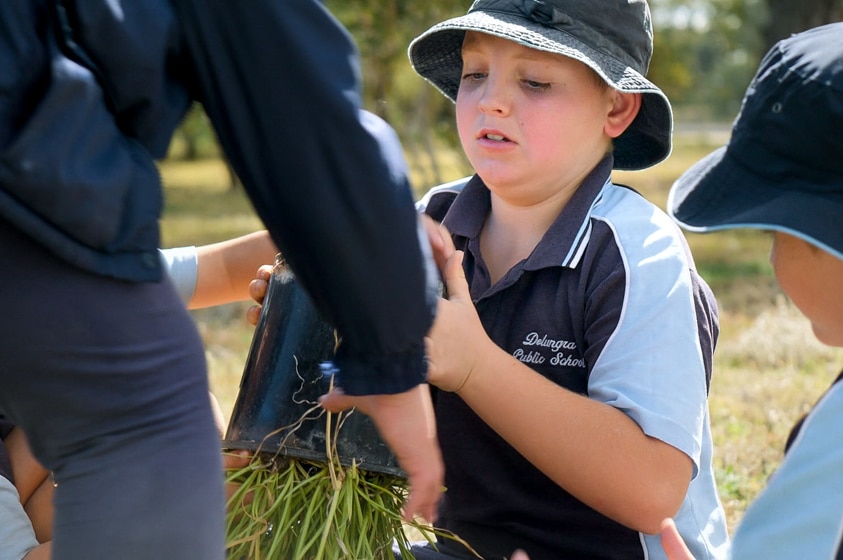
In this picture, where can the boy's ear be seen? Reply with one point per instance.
(624, 109)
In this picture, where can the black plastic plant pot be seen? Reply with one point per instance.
(288, 367)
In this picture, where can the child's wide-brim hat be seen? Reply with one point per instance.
(612, 37)
(782, 168)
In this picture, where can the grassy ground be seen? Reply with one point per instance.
(768, 368)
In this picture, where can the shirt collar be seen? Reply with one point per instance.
(564, 240)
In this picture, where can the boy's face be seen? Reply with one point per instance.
(531, 123)
(813, 279)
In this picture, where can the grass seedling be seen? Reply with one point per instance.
(296, 509)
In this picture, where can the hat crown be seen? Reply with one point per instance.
(782, 168)
(792, 114)
(612, 37)
(619, 28)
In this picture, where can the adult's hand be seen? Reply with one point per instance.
(406, 423)
(672, 542)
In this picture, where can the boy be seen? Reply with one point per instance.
(782, 171)
(573, 355)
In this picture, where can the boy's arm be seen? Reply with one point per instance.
(225, 269)
(591, 449)
(27, 471)
(218, 273)
(17, 537)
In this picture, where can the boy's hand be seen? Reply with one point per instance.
(441, 244)
(672, 542)
(257, 291)
(457, 341)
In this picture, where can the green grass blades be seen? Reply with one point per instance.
(301, 510)
(296, 509)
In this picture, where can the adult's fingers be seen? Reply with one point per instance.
(406, 423)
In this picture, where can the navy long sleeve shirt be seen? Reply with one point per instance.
(91, 92)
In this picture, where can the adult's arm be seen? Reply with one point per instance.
(280, 83)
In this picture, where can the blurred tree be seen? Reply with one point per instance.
(383, 29)
(705, 53)
(789, 16)
(195, 139)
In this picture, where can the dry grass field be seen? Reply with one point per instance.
(769, 369)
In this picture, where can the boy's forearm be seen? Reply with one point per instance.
(27, 471)
(225, 269)
(592, 450)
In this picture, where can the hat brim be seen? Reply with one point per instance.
(437, 56)
(719, 193)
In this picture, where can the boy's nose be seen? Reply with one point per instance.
(494, 98)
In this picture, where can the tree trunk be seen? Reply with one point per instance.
(792, 16)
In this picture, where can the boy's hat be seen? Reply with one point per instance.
(613, 37)
(782, 168)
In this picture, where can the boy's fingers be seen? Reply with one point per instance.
(440, 240)
(454, 276)
(253, 314)
(257, 289)
(672, 542)
(236, 459)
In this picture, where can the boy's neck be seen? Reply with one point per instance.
(510, 233)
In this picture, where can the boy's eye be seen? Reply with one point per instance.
(532, 84)
(473, 76)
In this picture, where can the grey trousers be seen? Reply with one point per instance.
(108, 380)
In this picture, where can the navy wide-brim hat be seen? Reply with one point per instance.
(782, 168)
(613, 37)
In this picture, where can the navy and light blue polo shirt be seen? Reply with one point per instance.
(800, 512)
(5, 462)
(609, 305)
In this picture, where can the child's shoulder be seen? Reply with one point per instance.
(618, 199)
(637, 221)
(438, 199)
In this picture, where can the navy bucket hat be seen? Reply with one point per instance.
(782, 168)
(613, 37)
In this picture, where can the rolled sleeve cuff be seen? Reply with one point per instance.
(386, 374)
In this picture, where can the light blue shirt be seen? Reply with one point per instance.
(800, 512)
(181, 264)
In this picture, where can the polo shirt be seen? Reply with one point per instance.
(182, 266)
(608, 305)
(5, 465)
(800, 512)
(17, 537)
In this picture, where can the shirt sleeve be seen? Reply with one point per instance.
(16, 533)
(656, 342)
(181, 263)
(280, 83)
(800, 514)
